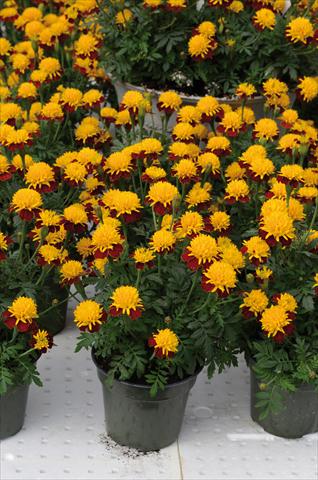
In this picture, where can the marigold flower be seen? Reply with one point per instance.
(265, 129)
(50, 255)
(183, 131)
(20, 63)
(208, 106)
(291, 175)
(219, 3)
(254, 303)
(21, 314)
(107, 241)
(125, 204)
(165, 343)
(231, 124)
(132, 100)
(90, 158)
(264, 18)
(236, 6)
(27, 203)
(92, 98)
(88, 130)
(71, 99)
(186, 171)
(236, 191)
(143, 257)
(4, 244)
(307, 88)
(207, 28)
(218, 222)
(219, 278)
(75, 174)
(52, 68)
(286, 301)
(251, 153)
(153, 174)
(84, 247)
(51, 111)
(169, 102)
(263, 274)
(162, 241)
(109, 114)
(75, 218)
(307, 194)
(256, 249)
(119, 165)
(49, 219)
(176, 5)
(189, 225)
(260, 169)
(300, 30)
(123, 17)
(161, 196)
(6, 169)
(232, 255)
(288, 118)
(153, 4)
(201, 252)
(201, 47)
(235, 172)
(150, 148)
(89, 315)
(71, 272)
(276, 323)
(209, 162)
(245, 90)
(40, 177)
(42, 341)
(199, 197)
(8, 14)
(277, 227)
(126, 301)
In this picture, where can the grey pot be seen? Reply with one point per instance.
(136, 420)
(298, 417)
(12, 410)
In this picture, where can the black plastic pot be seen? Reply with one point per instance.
(12, 410)
(54, 320)
(136, 420)
(298, 417)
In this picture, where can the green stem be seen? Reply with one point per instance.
(194, 281)
(154, 218)
(23, 232)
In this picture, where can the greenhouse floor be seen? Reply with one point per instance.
(64, 435)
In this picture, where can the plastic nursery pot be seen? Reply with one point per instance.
(136, 420)
(54, 320)
(298, 417)
(12, 410)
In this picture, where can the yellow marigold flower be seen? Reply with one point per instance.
(87, 130)
(178, 150)
(189, 114)
(245, 90)
(291, 174)
(119, 165)
(288, 117)
(153, 174)
(300, 30)
(8, 14)
(274, 319)
(263, 274)
(109, 114)
(246, 114)
(198, 196)
(89, 315)
(20, 62)
(169, 101)
(219, 278)
(143, 257)
(234, 171)
(183, 131)
(123, 17)
(209, 162)
(132, 100)
(265, 129)
(126, 301)
(21, 314)
(237, 191)
(165, 343)
(208, 106)
(190, 223)
(107, 241)
(277, 227)
(92, 98)
(230, 124)
(219, 222)
(33, 128)
(71, 98)
(38, 77)
(51, 111)
(200, 131)
(84, 247)
(4, 92)
(41, 340)
(219, 145)
(126, 204)
(185, 170)
(65, 159)
(161, 196)
(201, 252)
(71, 271)
(260, 169)
(33, 29)
(286, 301)
(26, 202)
(123, 118)
(75, 174)
(75, 214)
(201, 47)
(232, 255)
(308, 88)
(274, 87)
(28, 15)
(152, 3)
(310, 177)
(256, 249)
(255, 302)
(162, 241)
(86, 45)
(5, 47)
(289, 142)
(207, 29)
(264, 18)
(176, 5)
(236, 6)
(50, 255)
(52, 68)
(307, 194)
(10, 111)
(48, 218)
(89, 157)
(40, 176)
(99, 265)
(19, 164)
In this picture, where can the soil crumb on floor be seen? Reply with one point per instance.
(121, 451)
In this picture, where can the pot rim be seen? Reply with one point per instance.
(184, 96)
(145, 386)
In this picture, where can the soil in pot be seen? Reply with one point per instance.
(298, 417)
(135, 419)
(12, 410)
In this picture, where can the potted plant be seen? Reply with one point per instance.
(22, 343)
(208, 47)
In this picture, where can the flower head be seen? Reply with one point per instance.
(231, 124)
(27, 203)
(186, 171)
(75, 218)
(189, 225)
(208, 106)
(275, 321)
(236, 191)
(21, 314)
(201, 47)
(169, 102)
(218, 222)
(75, 174)
(277, 227)
(165, 343)
(40, 177)
(245, 90)
(126, 301)
(264, 18)
(219, 145)
(107, 241)
(161, 196)
(265, 129)
(300, 30)
(143, 257)
(71, 271)
(42, 341)
(256, 249)
(132, 100)
(162, 241)
(307, 88)
(199, 197)
(219, 278)
(254, 303)
(89, 315)
(201, 252)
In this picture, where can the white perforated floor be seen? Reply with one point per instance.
(64, 438)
